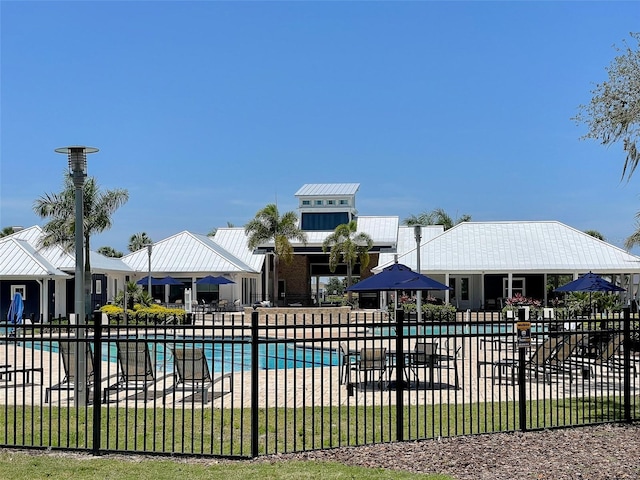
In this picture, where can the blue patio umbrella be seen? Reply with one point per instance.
(169, 281)
(590, 282)
(397, 277)
(15, 309)
(145, 281)
(213, 280)
(421, 282)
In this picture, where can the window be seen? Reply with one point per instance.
(98, 287)
(464, 288)
(21, 289)
(306, 203)
(323, 221)
(518, 287)
(344, 202)
(318, 203)
(331, 202)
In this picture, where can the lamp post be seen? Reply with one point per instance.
(417, 231)
(149, 249)
(77, 156)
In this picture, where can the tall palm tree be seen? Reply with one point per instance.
(99, 206)
(138, 241)
(347, 246)
(269, 226)
(437, 216)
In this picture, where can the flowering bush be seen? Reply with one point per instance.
(517, 301)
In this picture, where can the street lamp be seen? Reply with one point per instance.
(77, 156)
(417, 231)
(149, 249)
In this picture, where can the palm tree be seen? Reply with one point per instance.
(347, 246)
(60, 208)
(269, 226)
(6, 231)
(213, 231)
(595, 234)
(110, 252)
(634, 239)
(436, 216)
(138, 241)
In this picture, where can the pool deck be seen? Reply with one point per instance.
(316, 386)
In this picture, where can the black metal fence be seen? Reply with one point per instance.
(236, 385)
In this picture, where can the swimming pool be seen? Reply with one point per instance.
(223, 355)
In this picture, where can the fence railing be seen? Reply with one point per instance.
(236, 385)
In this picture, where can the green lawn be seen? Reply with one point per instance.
(22, 466)
(227, 431)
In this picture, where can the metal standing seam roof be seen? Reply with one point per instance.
(20, 259)
(327, 189)
(537, 247)
(64, 260)
(186, 252)
(406, 246)
(234, 240)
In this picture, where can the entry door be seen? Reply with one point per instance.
(460, 297)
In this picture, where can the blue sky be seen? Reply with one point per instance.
(207, 111)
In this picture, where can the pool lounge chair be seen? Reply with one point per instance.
(607, 358)
(136, 369)
(192, 374)
(68, 354)
(555, 356)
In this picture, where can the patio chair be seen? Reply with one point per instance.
(372, 362)
(136, 369)
(68, 354)
(192, 373)
(348, 363)
(450, 362)
(424, 356)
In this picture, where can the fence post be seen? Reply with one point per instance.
(522, 387)
(254, 383)
(626, 352)
(400, 374)
(97, 375)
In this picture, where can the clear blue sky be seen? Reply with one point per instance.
(207, 111)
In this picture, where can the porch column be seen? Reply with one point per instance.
(510, 285)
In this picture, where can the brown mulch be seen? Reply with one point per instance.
(603, 452)
(610, 452)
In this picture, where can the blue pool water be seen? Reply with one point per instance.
(227, 356)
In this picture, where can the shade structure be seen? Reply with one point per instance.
(590, 282)
(14, 315)
(397, 277)
(213, 280)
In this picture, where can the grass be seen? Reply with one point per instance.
(227, 432)
(22, 466)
